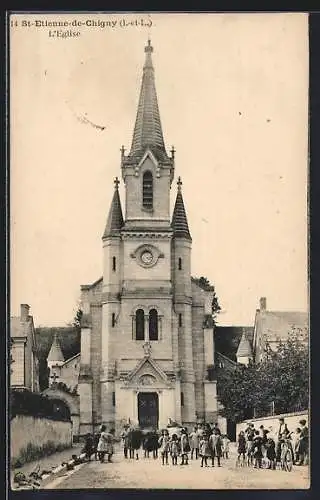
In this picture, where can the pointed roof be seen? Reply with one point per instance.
(115, 217)
(179, 218)
(244, 349)
(55, 353)
(147, 130)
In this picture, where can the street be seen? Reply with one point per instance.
(149, 473)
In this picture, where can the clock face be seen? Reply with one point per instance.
(147, 257)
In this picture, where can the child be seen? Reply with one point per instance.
(271, 452)
(88, 448)
(174, 449)
(205, 451)
(242, 446)
(225, 446)
(164, 442)
(215, 444)
(184, 447)
(257, 450)
(194, 440)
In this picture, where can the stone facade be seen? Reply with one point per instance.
(144, 338)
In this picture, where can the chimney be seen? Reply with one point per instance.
(263, 304)
(24, 312)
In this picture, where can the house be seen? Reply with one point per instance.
(25, 365)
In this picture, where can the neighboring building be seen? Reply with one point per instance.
(147, 328)
(273, 326)
(24, 366)
(61, 370)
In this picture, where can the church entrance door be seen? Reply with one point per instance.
(148, 409)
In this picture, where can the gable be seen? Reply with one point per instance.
(147, 372)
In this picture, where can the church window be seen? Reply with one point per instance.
(140, 324)
(180, 319)
(113, 399)
(180, 264)
(153, 324)
(182, 398)
(113, 320)
(147, 190)
(114, 263)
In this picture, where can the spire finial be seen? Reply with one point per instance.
(179, 183)
(148, 47)
(172, 152)
(122, 149)
(116, 183)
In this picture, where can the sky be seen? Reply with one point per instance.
(233, 98)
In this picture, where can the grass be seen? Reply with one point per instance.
(33, 452)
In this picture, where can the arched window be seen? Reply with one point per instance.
(147, 190)
(140, 324)
(180, 319)
(180, 264)
(153, 324)
(182, 399)
(114, 263)
(113, 319)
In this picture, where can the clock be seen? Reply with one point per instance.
(146, 257)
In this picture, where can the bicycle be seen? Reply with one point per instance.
(286, 458)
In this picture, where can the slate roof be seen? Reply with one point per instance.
(244, 348)
(147, 130)
(55, 353)
(179, 218)
(277, 324)
(115, 217)
(18, 328)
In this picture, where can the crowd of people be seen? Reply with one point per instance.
(204, 442)
(258, 445)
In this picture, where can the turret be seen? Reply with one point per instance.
(244, 352)
(55, 360)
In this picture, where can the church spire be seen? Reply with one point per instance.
(179, 218)
(55, 353)
(115, 217)
(147, 130)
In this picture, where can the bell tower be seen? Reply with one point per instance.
(147, 170)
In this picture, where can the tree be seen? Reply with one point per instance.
(281, 379)
(205, 284)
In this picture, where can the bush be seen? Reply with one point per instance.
(35, 405)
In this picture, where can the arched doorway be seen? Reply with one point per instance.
(148, 409)
(68, 403)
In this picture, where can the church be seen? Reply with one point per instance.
(147, 327)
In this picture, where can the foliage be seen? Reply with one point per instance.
(77, 319)
(34, 452)
(281, 379)
(64, 388)
(24, 402)
(205, 284)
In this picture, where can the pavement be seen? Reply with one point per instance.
(148, 473)
(49, 463)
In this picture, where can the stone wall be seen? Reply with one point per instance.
(26, 431)
(272, 423)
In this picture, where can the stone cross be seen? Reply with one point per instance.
(54, 378)
(116, 183)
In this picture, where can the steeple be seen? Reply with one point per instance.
(115, 217)
(244, 352)
(147, 130)
(55, 353)
(179, 218)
